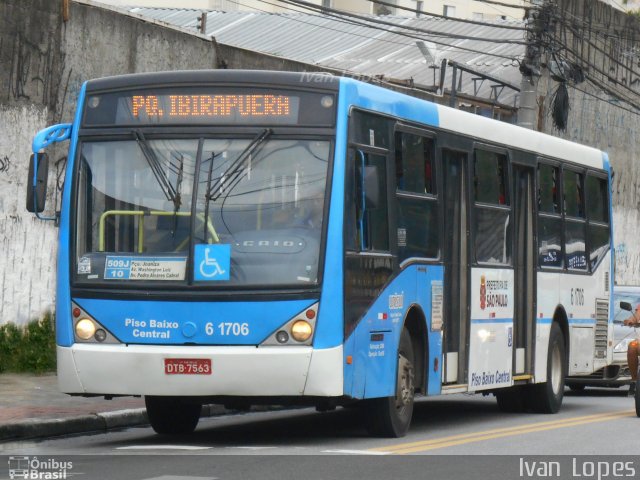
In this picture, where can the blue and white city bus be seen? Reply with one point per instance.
(245, 237)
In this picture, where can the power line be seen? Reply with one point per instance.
(323, 9)
(297, 20)
(461, 20)
(340, 17)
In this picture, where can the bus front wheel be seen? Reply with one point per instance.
(547, 397)
(391, 416)
(172, 415)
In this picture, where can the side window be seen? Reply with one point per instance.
(575, 223)
(414, 164)
(490, 178)
(367, 222)
(548, 189)
(598, 215)
(549, 217)
(417, 207)
(573, 194)
(492, 227)
(369, 129)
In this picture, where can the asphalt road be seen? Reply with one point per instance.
(596, 435)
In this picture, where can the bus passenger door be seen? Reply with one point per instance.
(456, 266)
(525, 271)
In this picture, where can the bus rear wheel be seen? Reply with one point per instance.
(391, 416)
(547, 397)
(172, 415)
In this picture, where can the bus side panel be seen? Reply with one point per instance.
(64, 333)
(578, 296)
(430, 297)
(491, 332)
(548, 301)
(373, 344)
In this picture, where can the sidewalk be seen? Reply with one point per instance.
(32, 407)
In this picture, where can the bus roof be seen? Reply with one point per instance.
(374, 98)
(484, 129)
(324, 81)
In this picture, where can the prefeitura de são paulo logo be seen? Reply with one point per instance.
(38, 469)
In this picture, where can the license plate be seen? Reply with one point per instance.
(187, 366)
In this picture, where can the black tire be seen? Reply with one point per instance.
(511, 400)
(172, 415)
(547, 397)
(577, 388)
(637, 395)
(391, 416)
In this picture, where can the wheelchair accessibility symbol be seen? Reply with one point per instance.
(212, 262)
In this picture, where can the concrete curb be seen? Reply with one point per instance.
(96, 422)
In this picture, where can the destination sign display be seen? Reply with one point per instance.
(213, 106)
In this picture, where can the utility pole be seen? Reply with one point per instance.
(202, 23)
(530, 69)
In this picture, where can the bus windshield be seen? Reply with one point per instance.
(251, 208)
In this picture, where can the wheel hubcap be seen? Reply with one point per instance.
(405, 387)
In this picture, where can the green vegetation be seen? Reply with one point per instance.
(31, 348)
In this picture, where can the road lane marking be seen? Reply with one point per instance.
(163, 447)
(356, 452)
(464, 438)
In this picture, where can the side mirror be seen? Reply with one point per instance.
(37, 193)
(371, 186)
(626, 306)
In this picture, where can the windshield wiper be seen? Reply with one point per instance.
(232, 175)
(155, 165)
(178, 195)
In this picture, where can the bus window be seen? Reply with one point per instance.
(550, 242)
(367, 221)
(575, 234)
(368, 129)
(549, 219)
(414, 164)
(598, 214)
(417, 208)
(548, 191)
(573, 197)
(492, 215)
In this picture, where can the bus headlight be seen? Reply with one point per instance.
(301, 331)
(297, 331)
(85, 329)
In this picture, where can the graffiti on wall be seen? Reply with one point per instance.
(5, 164)
(34, 70)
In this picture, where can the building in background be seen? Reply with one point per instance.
(469, 9)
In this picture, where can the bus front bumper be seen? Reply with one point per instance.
(246, 371)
